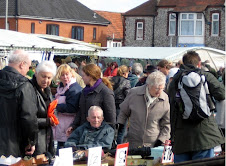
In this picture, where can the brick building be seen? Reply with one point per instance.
(66, 18)
(115, 29)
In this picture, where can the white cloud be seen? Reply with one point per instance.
(112, 5)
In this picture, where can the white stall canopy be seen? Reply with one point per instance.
(11, 40)
(174, 54)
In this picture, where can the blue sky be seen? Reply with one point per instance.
(112, 5)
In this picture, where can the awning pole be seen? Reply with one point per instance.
(6, 15)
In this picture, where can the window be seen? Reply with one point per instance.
(77, 33)
(215, 24)
(52, 29)
(32, 27)
(172, 24)
(94, 33)
(140, 31)
(191, 24)
(117, 44)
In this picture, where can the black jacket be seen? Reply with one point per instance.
(45, 136)
(121, 87)
(101, 96)
(18, 115)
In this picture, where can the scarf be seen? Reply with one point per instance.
(89, 89)
(61, 90)
(45, 94)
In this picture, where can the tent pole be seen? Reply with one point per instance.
(6, 15)
(212, 61)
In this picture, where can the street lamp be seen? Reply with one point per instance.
(6, 15)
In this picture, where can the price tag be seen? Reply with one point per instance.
(121, 154)
(66, 156)
(167, 155)
(94, 156)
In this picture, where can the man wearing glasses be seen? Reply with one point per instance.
(18, 112)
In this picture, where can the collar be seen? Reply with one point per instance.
(11, 69)
(142, 91)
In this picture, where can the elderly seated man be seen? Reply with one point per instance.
(93, 133)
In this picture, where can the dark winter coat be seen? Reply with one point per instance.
(18, 115)
(121, 87)
(188, 136)
(86, 136)
(101, 96)
(45, 135)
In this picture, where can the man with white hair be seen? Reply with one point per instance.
(148, 110)
(18, 115)
(93, 133)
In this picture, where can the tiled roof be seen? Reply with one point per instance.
(198, 8)
(116, 26)
(146, 9)
(63, 10)
(167, 3)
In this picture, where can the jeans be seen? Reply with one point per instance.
(194, 155)
(121, 133)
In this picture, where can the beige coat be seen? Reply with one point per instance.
(146, 127)
(79, 80)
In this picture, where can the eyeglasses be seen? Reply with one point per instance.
(159, 89)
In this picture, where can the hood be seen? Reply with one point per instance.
(132, 77)
(10, 79)
(116, 81)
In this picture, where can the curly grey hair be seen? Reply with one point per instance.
(46, 66)
(156, 78)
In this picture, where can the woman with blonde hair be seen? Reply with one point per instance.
(121, 87)
(98, 91)
(68, 95)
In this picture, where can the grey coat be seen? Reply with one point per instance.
(147, 125)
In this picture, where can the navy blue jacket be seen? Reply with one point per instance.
(72, 99)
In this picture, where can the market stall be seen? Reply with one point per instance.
(42, 47)
(152, 55)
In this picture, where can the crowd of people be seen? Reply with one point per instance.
(103, 107)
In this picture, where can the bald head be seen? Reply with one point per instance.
(20, 60)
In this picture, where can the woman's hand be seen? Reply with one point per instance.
(69, 131)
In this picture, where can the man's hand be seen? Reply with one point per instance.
(29, 150)
(158, 143)
(69, 131)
